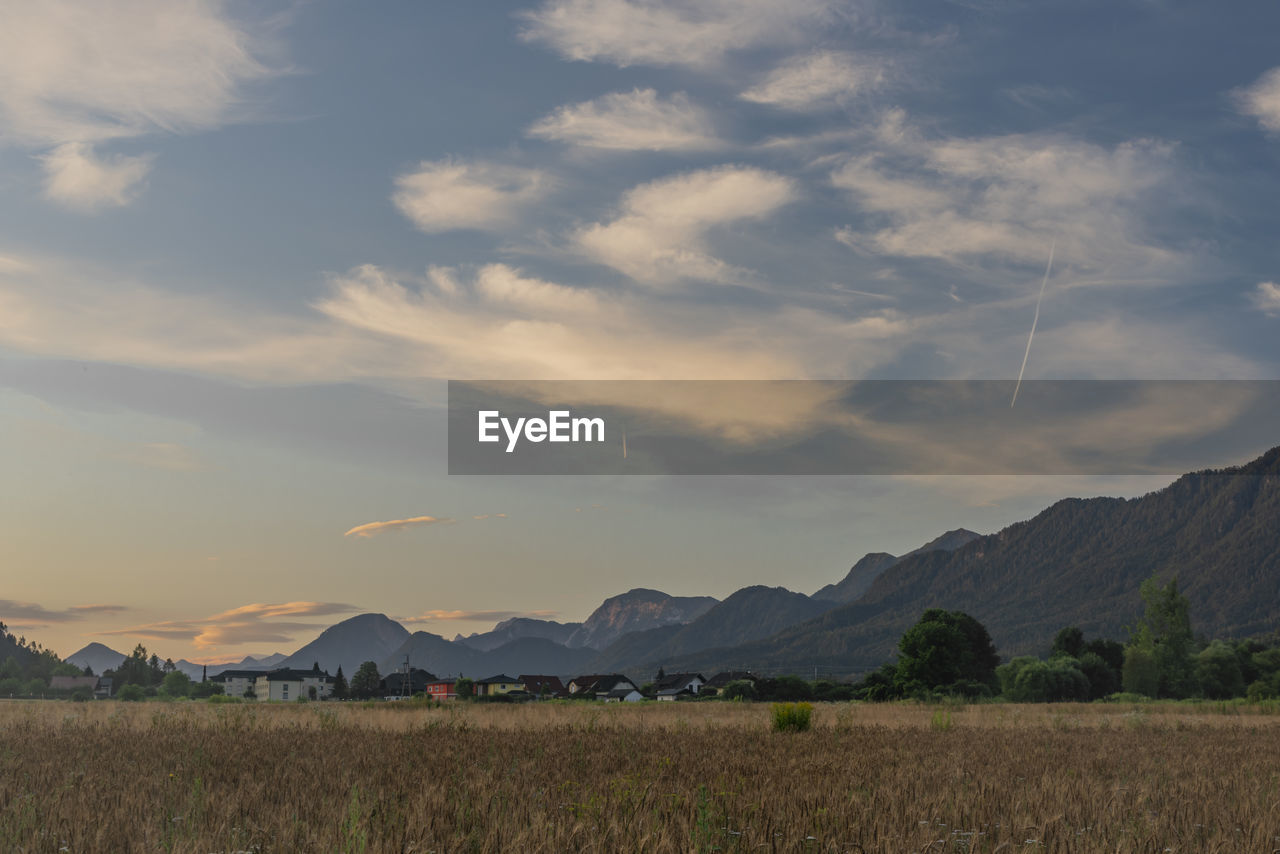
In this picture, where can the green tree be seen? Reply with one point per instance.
(1164, 636)
(1141, 674)
(176, 684)
(739, 689)
(1218, 672)
(1104, 680)
(1056, 680)
(1069, 642)
(340, 690)
(364, 685)
(946, 649)
(464, 688)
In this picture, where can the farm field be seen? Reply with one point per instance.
(195, 777)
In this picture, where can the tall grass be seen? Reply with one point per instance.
(192, 777)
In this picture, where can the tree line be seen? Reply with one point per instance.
(951, 653)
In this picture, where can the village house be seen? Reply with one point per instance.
(70, 683)
(442, 689)
(673, 686)
(623, 694)
(500, 684)
(287, 685)
(395, 685)
(542, 686)
(599, 684)
(237, 683)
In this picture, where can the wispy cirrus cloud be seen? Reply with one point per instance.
(451, 194)
(32, 613)
(1267, 298)
(639, 120)
(1261, 100)
(76, 75)
(77, 177)
(821, 78)
(671, 32)
(658, 237)
(372, 529)
(1005, 199)
(254, 623)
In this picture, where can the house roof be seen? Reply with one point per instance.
(724, 677)
(677, 680)
(224, 675)
(673, 692)
(493, 680)
(65, 682)
(600, 682)
(622, 692)
(535, 684)
(286, 674)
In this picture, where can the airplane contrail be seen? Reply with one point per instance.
(1034, 321)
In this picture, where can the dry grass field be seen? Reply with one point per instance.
(192, 777)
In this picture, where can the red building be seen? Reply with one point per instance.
(442, 689)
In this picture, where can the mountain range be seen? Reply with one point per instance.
(1079, 562)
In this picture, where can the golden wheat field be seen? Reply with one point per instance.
(193, 777)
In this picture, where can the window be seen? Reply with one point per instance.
(284, 691)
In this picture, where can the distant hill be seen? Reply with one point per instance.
(873, 565)
(523, 655)
(195, 671)
(98, 656)
(636, 610)
(519, 627)
(749, 614)
(868, 568)
(365, 637)
(1079, 562)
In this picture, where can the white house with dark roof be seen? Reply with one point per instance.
(286, 685)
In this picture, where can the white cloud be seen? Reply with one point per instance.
(73, 74)
(1262, 100)
(1007, 198)
(812, 80)
(1267, 298)
(72, 71)
(658, 238)
(631, 121)
(671, 32)
(457, 323)
(77, 177)
(446, 195)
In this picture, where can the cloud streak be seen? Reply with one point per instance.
(1261, 100)
(451, 195)
(258, 622)
(671, 32)
(31, 612)
(372, 529)
(659, 235)
(639, 120)
(821, 78)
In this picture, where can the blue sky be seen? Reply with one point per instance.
(243, 245)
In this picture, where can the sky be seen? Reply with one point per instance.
(244, 245)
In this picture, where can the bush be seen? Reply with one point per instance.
(739, 689)
(81, 694)
(130, 694)
(792, 717)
